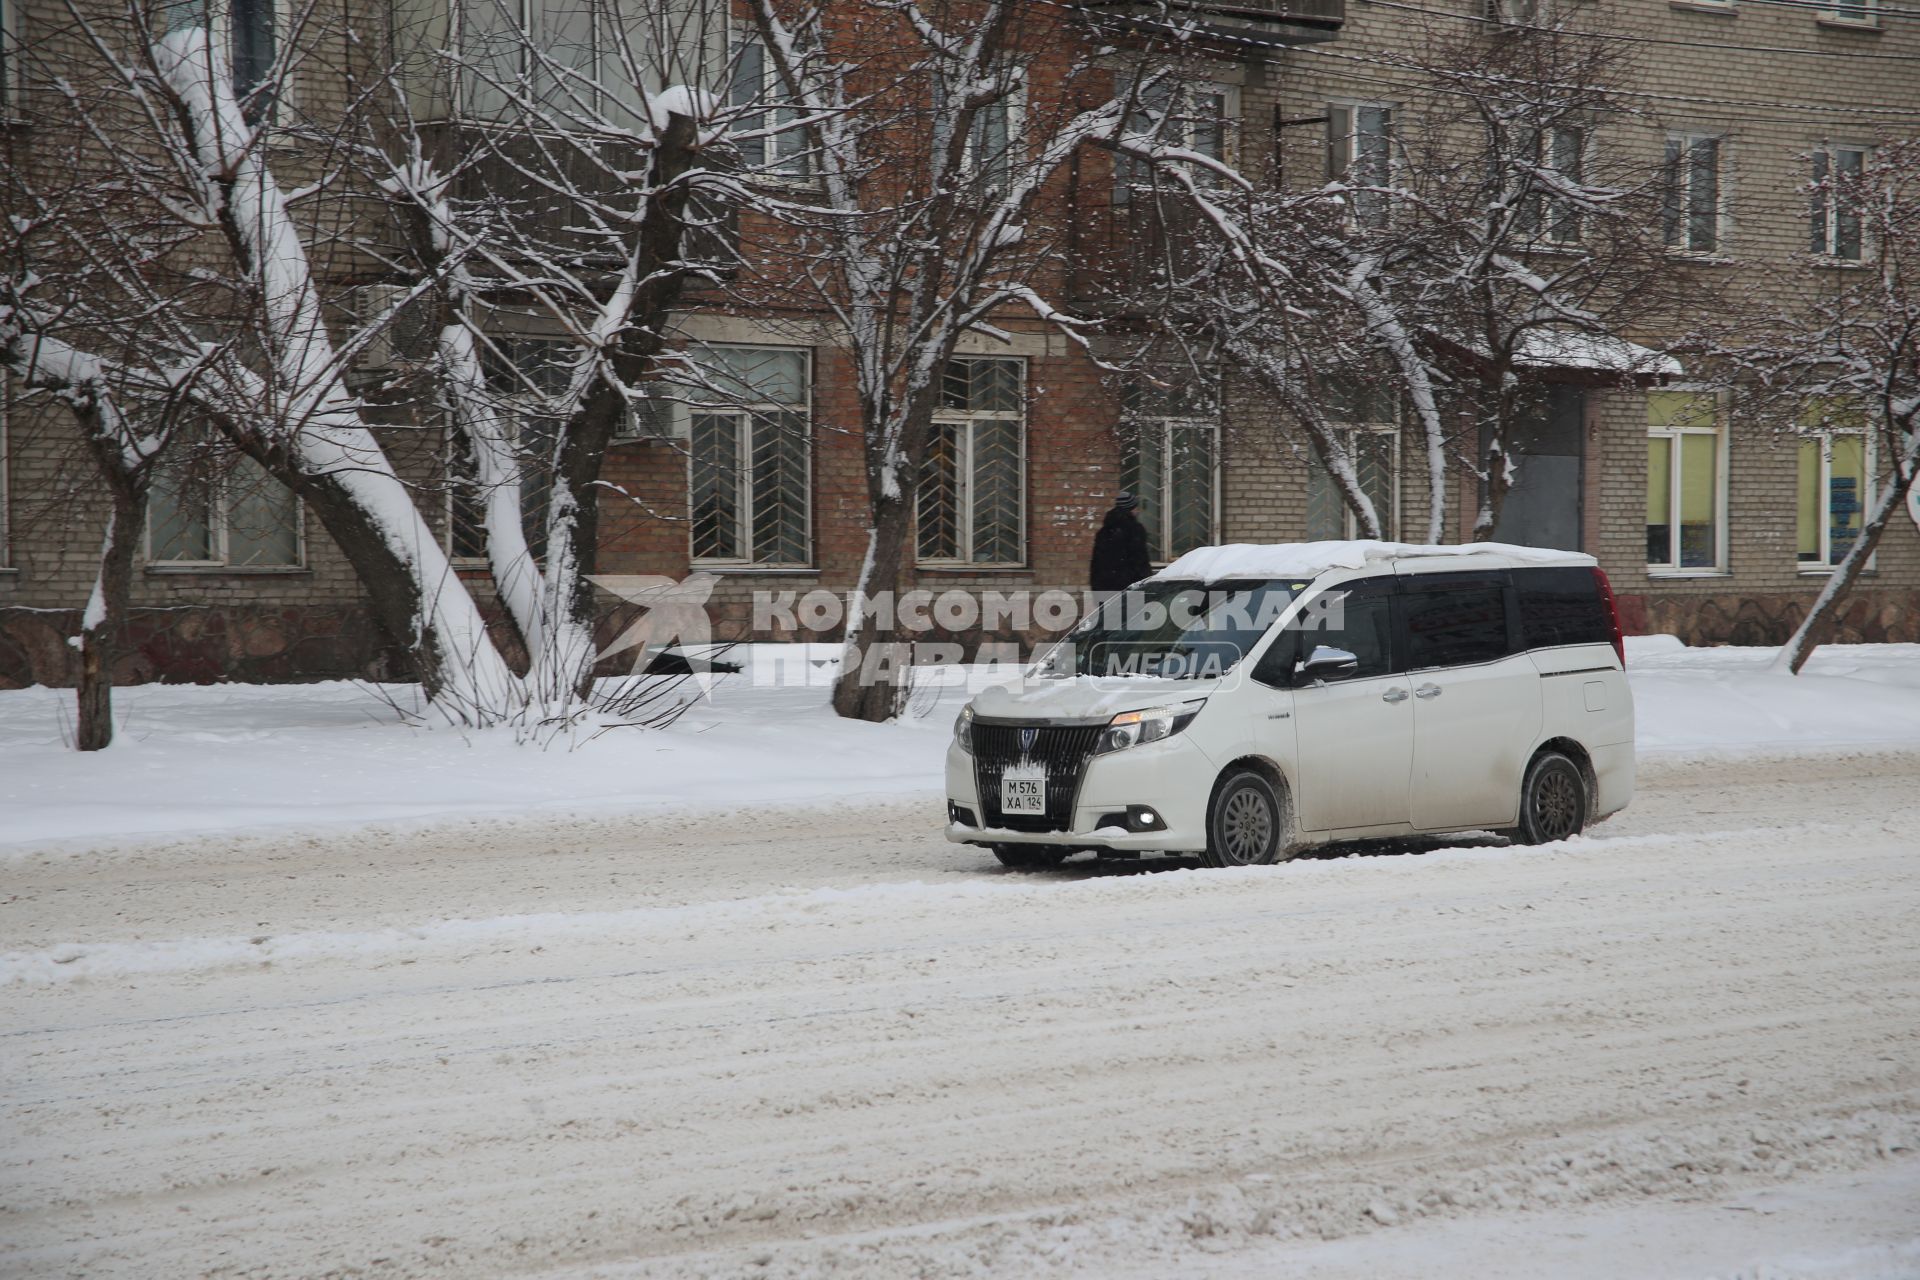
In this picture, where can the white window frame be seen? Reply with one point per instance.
(219, 516)
(1015, 103)
(1551, 208)
(1343, 153)
(786, 161)
(1858, 13)
(1671, 567)
(1683, 194)
(1167, 424)
(1830, 207)
(1184, 132)
(743, 414)
(966, 420)
(1824, 566)
(217, 16)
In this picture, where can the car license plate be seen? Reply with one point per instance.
(1023, 789)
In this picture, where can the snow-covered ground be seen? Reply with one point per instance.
(238, 757)
(649, 1032)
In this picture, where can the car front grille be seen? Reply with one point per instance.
(1063, 749)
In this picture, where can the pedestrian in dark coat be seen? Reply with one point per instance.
(1120, 556)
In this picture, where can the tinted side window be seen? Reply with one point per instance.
(1455, 620)
(1561, 606)
(1359, 620)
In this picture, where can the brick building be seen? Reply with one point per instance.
(1709, 527)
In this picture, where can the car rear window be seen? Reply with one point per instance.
(1561, 606)
(1455, 620)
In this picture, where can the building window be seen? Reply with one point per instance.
(525, 373)
(10, 77)
(1560, 152)
(241, 518)
(774, 146)
(1192, 117)
(1170, 461)
(6, 483)
(972, 496)
(1364, 419)
(1686, 482)
(250, 30)
(1831, 493)
(1863, 13)
(749, 457)
(563, 55)
(1836, 202)
(1360, 154)
(1690, 221)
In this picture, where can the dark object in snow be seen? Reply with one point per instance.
(671, 663)
(1120, 556)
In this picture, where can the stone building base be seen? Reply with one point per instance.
(1867, 616)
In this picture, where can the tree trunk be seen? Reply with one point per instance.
(873, 677)
(106, 612)
(1815, 627)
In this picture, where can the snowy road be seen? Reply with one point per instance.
(818, 1042)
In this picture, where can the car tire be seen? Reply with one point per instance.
(1029, 857)
(1249, 823)
(1553, 800)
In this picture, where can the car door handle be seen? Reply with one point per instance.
(1395, 694)
(1427, 691)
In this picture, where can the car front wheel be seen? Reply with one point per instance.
(1249, 824)
(1553, 800)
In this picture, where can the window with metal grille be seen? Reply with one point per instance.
(1365, 419)
(749, 457)
(972, 499)
(1690, 221)
(1835, 224)
(1360, 153)
(1170, 461)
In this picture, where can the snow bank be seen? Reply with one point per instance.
(1305, 559)
(277, 757)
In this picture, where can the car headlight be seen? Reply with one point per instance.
(963, 729)
(1131, 728)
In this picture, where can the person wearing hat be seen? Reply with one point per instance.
(1120, 556)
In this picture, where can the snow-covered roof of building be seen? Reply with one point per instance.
(1307, 559)
(1564, 349)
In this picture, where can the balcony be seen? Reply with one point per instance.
(1274, 23)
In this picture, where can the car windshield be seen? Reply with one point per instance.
(1174, 630)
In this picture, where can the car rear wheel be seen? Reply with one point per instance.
(1249, 825)
(1553, 800)
(1029, 857)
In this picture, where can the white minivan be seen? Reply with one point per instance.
(1247, 702)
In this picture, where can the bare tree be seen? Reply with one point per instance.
(1846, 357)
(197, 198)
(925, 158)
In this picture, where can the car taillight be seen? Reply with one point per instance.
(1613, 615)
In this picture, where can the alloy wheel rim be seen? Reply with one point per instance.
(1247, 827)
(1555, 805)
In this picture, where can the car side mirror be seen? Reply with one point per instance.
(1325, 660)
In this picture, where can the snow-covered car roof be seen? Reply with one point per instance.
(1310, 559)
